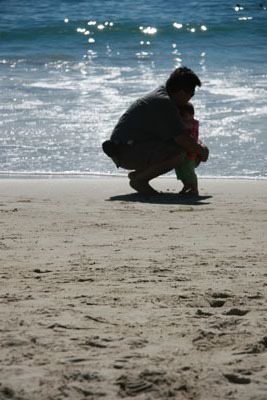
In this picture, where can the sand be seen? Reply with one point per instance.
(105, 294)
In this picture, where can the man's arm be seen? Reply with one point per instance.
(191, 146)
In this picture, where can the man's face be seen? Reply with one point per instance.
(182, 96)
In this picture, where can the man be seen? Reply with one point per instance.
(150, 137)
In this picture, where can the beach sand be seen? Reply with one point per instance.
(105, 294)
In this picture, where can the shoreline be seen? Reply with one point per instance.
(84, 175)
(106, 293)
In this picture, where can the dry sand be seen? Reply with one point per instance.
(108, 295)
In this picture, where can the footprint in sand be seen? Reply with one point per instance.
(201, 313)
(218, 299)
(239, 379)
(217, 303)
(82, 376)
(133, 386)
(6, 393)
(255, 348)
(120, 363)
(220, 295)
(236, 312)
(24, 201)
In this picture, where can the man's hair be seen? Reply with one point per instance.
(182, 78)
(187, 108)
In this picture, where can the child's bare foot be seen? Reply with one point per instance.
(190, 193)
(189, 190)
(185, 189)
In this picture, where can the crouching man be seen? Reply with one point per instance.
(150, 138)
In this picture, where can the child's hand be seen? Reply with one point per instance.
(204, 154)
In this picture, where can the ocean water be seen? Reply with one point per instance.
(69, 69)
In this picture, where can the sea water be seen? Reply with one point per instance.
(70, 68)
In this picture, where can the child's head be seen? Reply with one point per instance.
(187, 111)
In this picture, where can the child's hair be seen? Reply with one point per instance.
(187, 108)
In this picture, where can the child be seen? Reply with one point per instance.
(186, 172)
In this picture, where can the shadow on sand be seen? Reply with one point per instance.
(162, 198)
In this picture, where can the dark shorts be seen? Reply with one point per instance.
(144, 154)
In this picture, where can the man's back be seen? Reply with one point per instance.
(153, 116)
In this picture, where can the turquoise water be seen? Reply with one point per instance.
(68, 69)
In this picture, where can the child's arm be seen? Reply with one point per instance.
(191, 146)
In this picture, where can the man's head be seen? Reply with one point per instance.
(181, 84)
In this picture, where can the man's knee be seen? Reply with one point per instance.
(144, 154)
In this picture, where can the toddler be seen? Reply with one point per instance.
(186, 171)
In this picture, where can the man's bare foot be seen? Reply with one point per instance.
(142, 187)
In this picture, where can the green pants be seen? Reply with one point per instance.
(186, 172)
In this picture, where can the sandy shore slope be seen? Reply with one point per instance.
(108, 295)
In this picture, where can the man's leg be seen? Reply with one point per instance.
(110, 149)
(139, 179)
(147, 159)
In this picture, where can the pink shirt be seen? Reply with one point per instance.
(194, 134)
